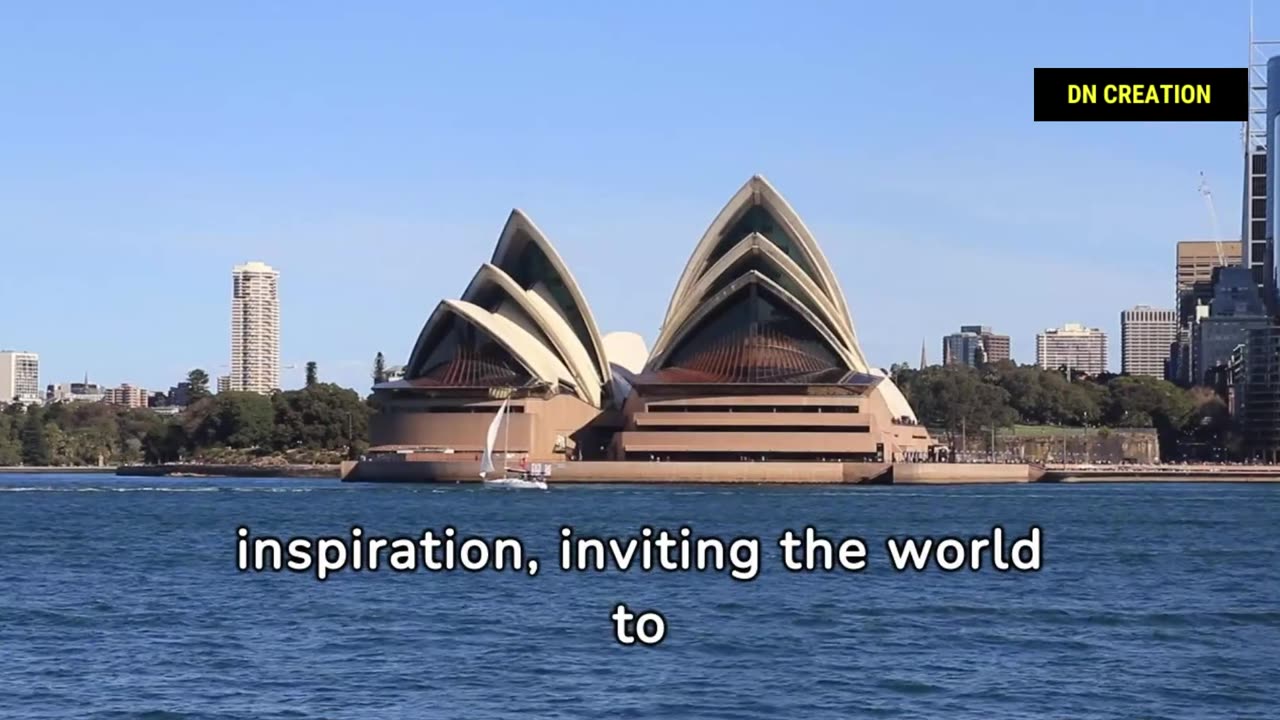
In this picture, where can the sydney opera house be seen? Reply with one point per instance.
(757, 360)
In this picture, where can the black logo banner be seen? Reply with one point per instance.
(1142, 94)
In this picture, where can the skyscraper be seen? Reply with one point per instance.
(1072, 346)
(1258, 136)
(973, 346)
(1235, 309)
(962, 348)
(19, 377)
(1193, 289)
(994, 347)
(255, 328)
(1196, 260)
(1146, 335)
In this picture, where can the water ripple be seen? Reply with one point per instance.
(121, 601)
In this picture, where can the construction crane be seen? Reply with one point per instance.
(1213, 217)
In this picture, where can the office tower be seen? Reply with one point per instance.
(1254, 392)
(974, 345)
(1196, 260)
(962, 348)
(255, 328)
(224, 383)
(1235, 309)
(19, 377)
(1193, 289)
(1072, 346)
(1258, 179)
(1254, 368)
(995, 347)
(1146, 335)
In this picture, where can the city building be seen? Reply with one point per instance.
(973, 346)
(75, 392)
(756, 360)
(1235, 309)
(255, 328)
(1074, 347)
(1193, 289)
(1146, 336)
(963, 348)
(179, 395)
(127, 396)
(1255, 401)
(995, 346)
(1196, 260)
(224, 383)
(1257, 137)
(19, 377)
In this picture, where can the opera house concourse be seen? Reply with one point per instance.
(756, 368)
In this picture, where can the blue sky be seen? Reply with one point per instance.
(372, 156)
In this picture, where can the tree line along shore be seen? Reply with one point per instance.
(319, 424)
(323, 423)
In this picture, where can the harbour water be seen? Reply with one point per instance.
(120, 598)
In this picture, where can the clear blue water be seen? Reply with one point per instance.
(120, 598)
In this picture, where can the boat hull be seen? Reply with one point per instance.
(516, 483)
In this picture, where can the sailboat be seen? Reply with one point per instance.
(521, 479)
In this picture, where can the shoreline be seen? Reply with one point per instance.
(48, 469)
(811, 473)
(202, 470)
(646, 473)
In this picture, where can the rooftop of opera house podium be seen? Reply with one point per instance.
(757, 359)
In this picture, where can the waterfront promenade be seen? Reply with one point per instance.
(717, 473)
(818, 472)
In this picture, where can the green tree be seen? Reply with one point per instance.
(379, 369)
(198, 380)
(311, 373)
(231, 419)
(166, 443)
(1137, 401)
(35, 443)
(955, 398)
(10, 444)
(321, 417)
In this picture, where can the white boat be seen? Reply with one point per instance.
(524, 483)
(521, 479)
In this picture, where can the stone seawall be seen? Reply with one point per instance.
(55, 470)
(628, 472)
(248, 471)
(963, 473)
(818, 473)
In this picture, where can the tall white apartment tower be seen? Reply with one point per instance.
(19, 377)
(255, 328)
(1146, 334)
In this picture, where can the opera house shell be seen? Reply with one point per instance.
(757, 360)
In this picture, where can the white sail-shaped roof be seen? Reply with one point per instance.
(893, 397)
(496, 291)
(526, 255)
(693, 321)
(540, 362)
(757, 228)
(757, 251)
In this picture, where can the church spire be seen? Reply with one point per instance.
(924, 361)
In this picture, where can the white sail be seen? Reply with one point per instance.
(486, 461)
